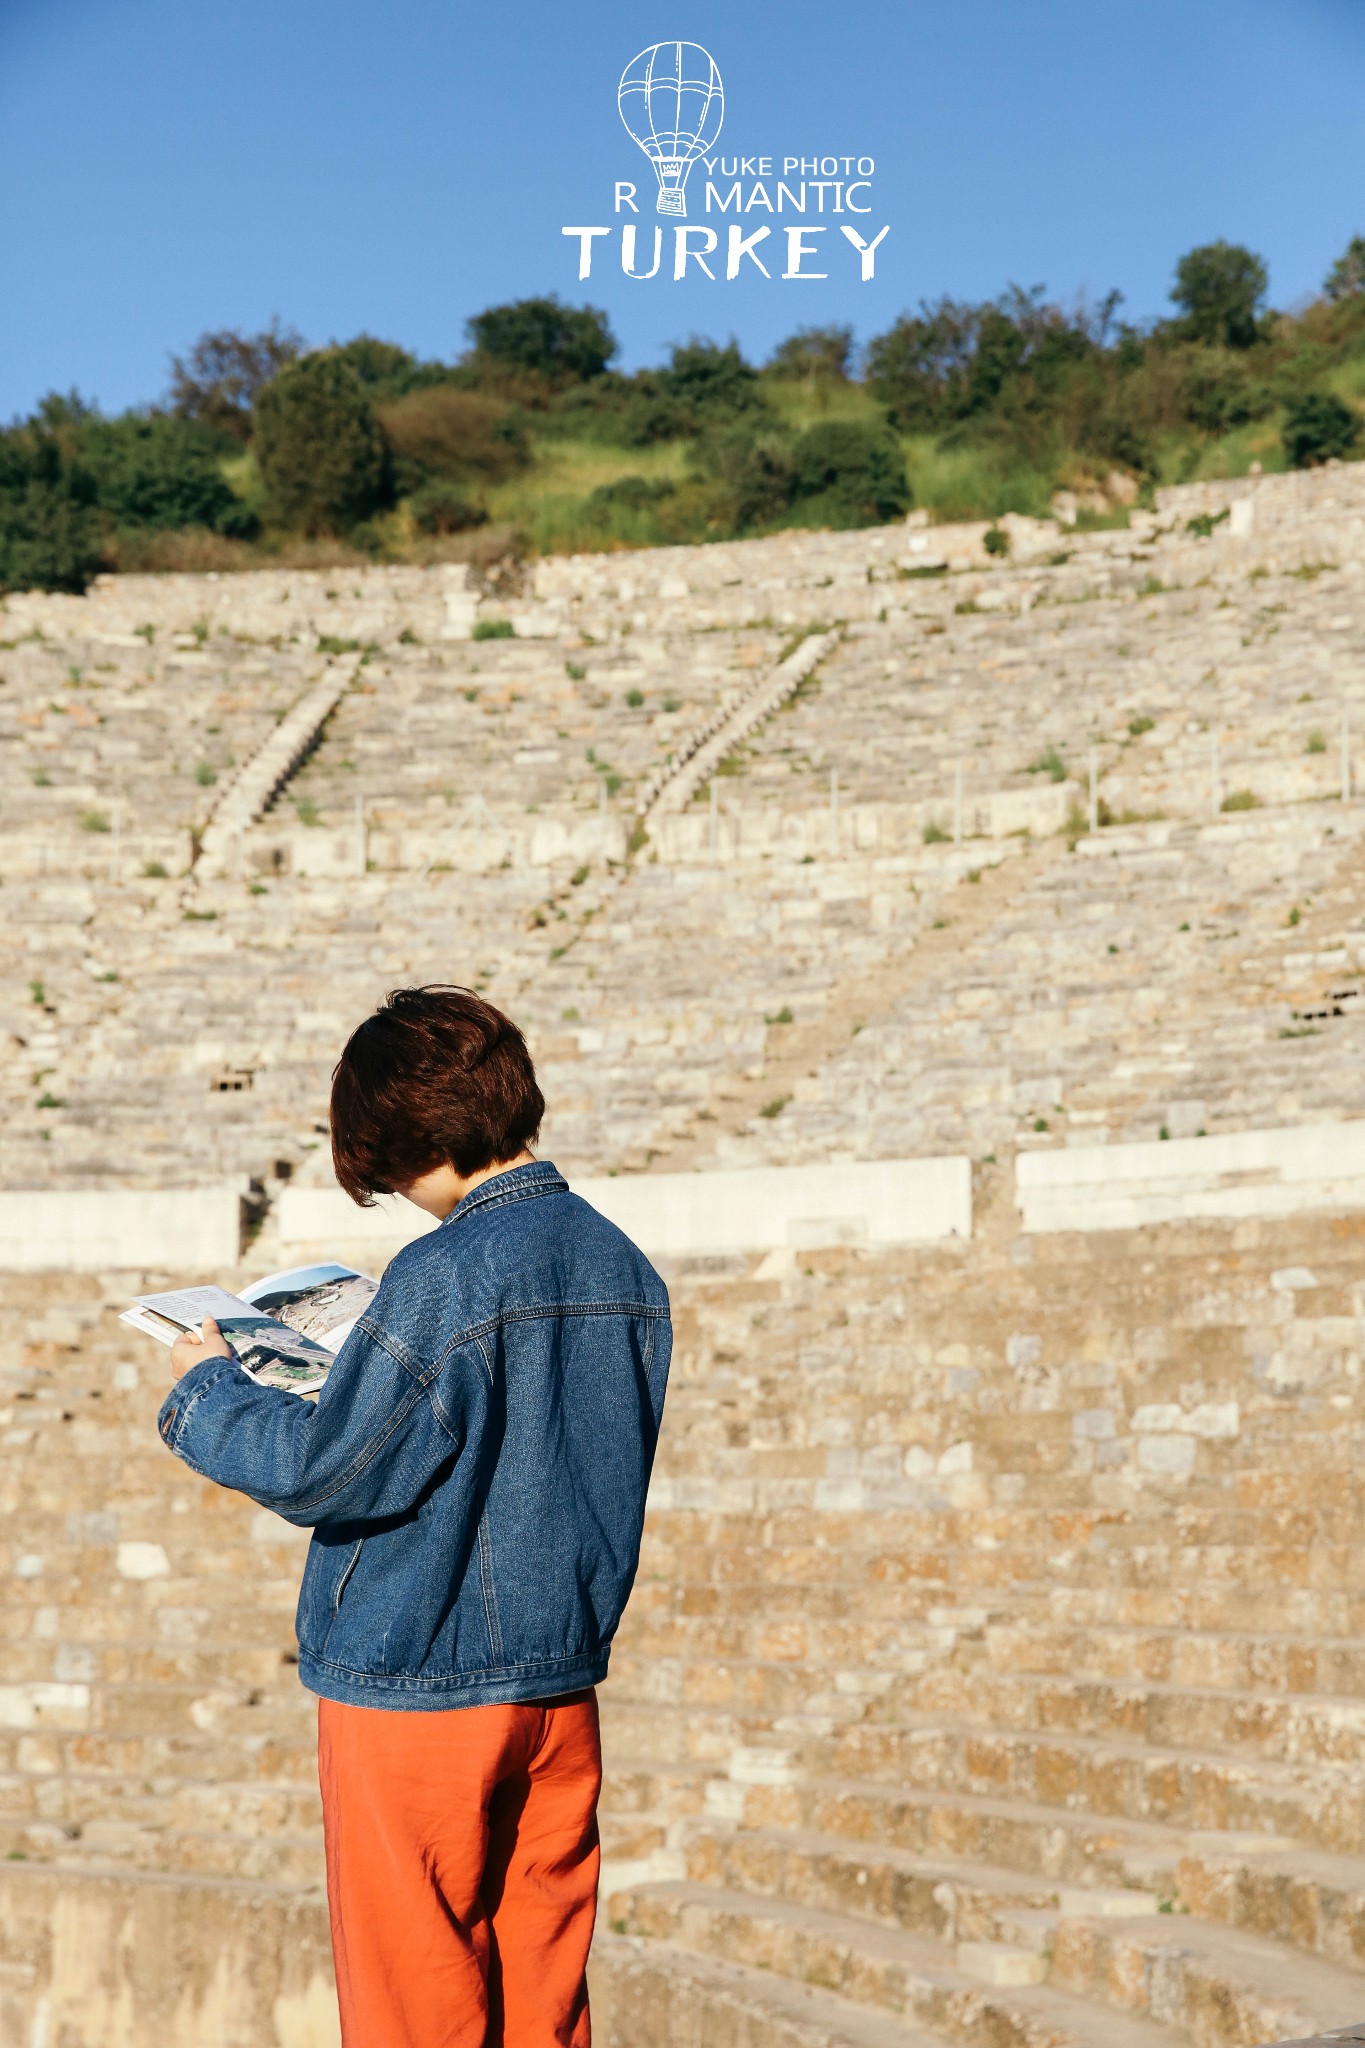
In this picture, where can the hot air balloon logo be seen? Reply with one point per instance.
(672, 102)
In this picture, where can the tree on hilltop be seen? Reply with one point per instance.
(919, 367)
(546, 336)
(389, 372)
(217, 382)
(321, 454)
(1346, 278)
(1220, 289)
(815, 352)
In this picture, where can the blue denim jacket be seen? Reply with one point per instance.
(474, 1470)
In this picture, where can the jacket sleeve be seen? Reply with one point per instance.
(367, 1449)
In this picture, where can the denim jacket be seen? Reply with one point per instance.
(474, 1470)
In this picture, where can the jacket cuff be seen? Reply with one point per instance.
(175, 1411)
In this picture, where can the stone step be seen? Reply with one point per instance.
(179, 1853)
(747, 1616)
(1271, 1885)
(945, 1898)
(205, 1805)
(965, 1995)
(1218, 1984)
(221, 1714)
(1295, 1662)
(687, 1517)
(186, 1752)
(199, 1665)
(956, 1900)
(1153, 1583)
(1292, 1728)
(649, 1991)
(1230, 1660)
(1319, 1804)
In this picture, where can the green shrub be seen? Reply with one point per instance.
(442, 507)
(705, 380)
(494, 629)
(157, 472)
(762, 480)
(1049, 763)
(854, 472)
(627, 494)
(49, 533)
(320, 451)
(448, 433)
(1203, 523)
(1319, 427)
(996, 541)
(1218, 391)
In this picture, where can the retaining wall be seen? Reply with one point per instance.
(91, 1230)
(1246, 1173)
(753, 1209)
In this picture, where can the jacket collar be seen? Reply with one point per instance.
(518, 1184)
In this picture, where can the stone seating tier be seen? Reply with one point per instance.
(993, 1660)
(1059, 997)
(992, 1675)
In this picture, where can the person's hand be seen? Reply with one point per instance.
(191, 1346)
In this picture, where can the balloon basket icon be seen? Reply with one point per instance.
(672, 103)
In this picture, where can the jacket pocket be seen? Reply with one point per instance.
(345, 1579)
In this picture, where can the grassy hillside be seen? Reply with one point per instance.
(264, 450)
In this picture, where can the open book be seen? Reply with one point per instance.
(284, 1331)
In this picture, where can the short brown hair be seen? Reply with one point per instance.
(435, 1076)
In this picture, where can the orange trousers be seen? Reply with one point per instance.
(462, 1865)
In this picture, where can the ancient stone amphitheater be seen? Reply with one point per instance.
(995, 1673)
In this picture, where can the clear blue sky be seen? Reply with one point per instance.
(173, 165)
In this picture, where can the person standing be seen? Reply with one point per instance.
(474, 1473)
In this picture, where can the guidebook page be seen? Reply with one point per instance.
(284, 1330)
(324, 1302)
